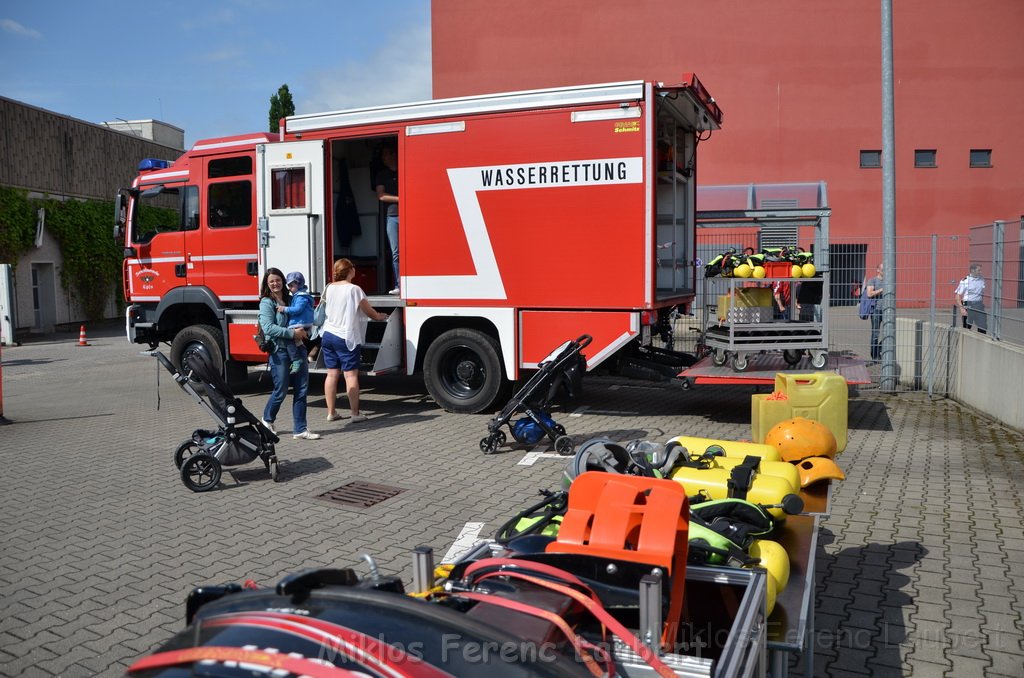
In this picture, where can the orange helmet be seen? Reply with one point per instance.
(799, 438)
(816, 469)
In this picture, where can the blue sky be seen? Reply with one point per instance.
(210, 67)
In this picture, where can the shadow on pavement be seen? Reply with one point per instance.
(861, 596)
(287, 470)
(52, 419)
(32, 362)
(869, 415)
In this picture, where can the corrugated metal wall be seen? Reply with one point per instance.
(54, 154)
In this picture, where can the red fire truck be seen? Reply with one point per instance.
(526, 219)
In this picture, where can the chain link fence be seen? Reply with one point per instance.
(928, 270)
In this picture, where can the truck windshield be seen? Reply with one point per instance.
(164, 209)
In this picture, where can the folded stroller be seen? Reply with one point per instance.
(239, 438)
(562, 369)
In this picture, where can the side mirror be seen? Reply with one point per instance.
(120, 215)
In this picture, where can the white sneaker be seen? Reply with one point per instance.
(334, 417)
(395, 292)
(269, 424)
(307, 435)
(356, 418)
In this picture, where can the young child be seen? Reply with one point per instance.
(300, 314)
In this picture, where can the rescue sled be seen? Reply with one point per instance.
(603, 599)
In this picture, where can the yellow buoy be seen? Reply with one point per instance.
(774, 558)
(808, 270)
(743, 271)
(759, 272)
(795, 271)
(772, 593)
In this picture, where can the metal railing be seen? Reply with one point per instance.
(927, 273)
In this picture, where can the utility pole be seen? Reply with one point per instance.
(888, 329)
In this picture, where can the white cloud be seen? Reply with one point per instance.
(223, 55)
(399, 71)
(11, 26)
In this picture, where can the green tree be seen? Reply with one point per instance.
(281, 106)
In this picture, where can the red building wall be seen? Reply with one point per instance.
(800, 85)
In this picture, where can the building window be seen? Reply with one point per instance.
(870, 158)
(925, 158)
(981, 157)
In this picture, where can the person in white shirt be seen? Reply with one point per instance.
(344, 332)
(969, 299)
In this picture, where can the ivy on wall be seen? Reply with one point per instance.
(91, 269)
(17, 224)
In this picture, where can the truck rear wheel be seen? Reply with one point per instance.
(205, 340)
(463, 372)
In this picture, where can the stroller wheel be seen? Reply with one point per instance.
(200, 472)
(273, 469)
(184, 451)
(563, 445)
(559, 429)
(489, 445)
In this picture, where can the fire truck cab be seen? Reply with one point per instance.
(525, 219)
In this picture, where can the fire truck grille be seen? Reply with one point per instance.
(360, 494)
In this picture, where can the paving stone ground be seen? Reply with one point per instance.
(920, 567)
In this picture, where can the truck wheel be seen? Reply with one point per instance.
(205, 340)
(462, 371)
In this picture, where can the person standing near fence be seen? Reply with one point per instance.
(969, 300)
(870, 308)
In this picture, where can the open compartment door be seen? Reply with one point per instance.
(290, 196)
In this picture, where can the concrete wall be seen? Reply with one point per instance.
(54, 155)
(925, 354)
(988, 376)
(966, 366)
(154, 130)
(58, 155)
(56, 306)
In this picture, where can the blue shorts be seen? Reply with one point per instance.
(336, 354)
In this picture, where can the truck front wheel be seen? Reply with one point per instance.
(463, 372)
(205, 340)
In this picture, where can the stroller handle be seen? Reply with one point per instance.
(584, 340)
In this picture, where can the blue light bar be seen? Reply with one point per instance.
(153, 164)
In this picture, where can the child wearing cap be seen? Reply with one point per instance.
(300, 314)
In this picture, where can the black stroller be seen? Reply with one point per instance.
(562, 369)
(239, 438)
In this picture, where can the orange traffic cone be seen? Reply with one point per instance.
(82, 341)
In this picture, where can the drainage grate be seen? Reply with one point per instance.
(359, 493)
